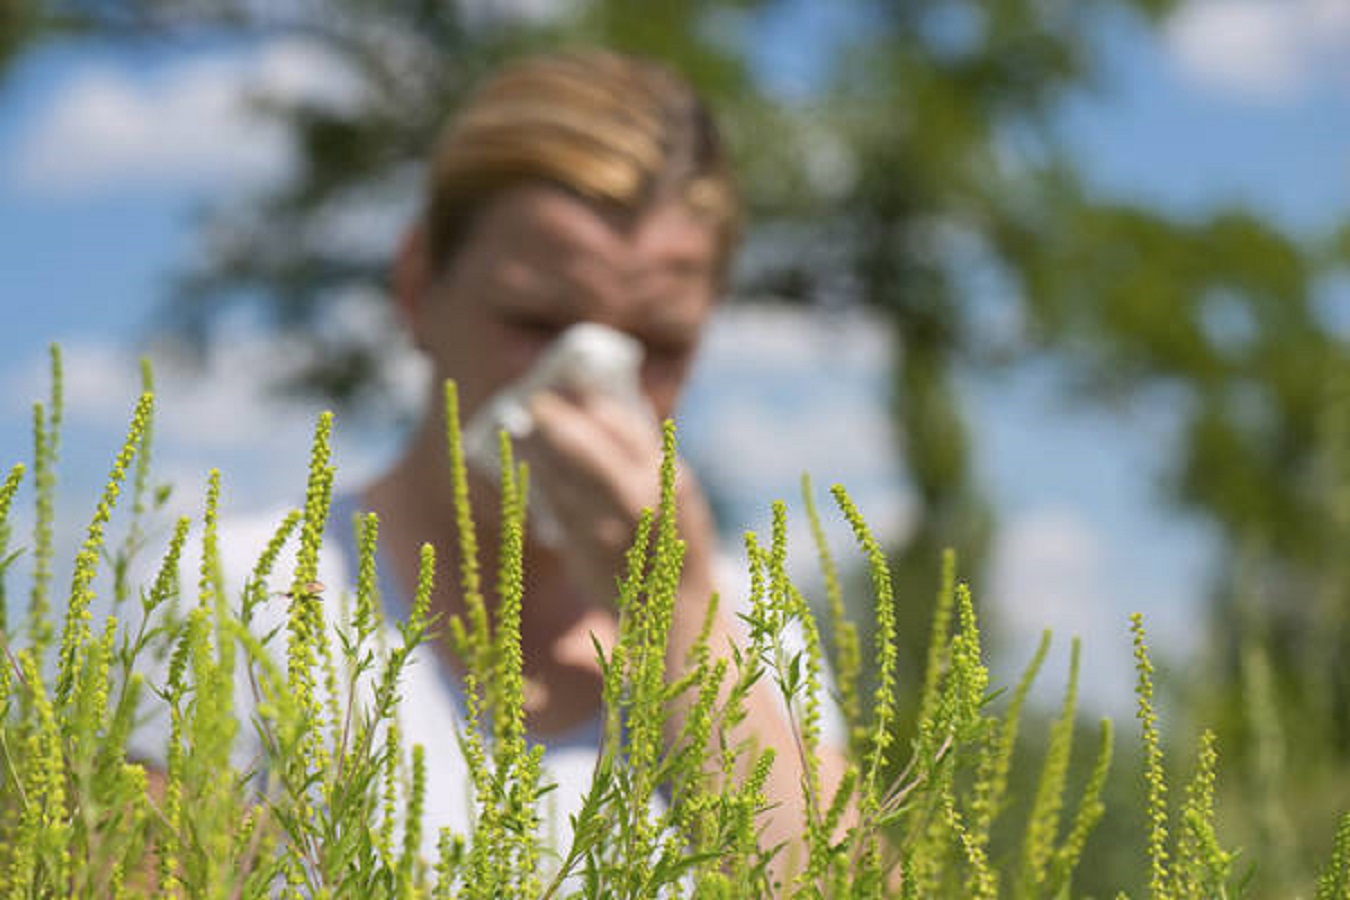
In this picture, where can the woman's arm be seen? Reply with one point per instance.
(598, 467)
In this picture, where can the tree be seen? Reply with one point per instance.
(18, 22)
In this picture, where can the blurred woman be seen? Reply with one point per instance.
(582, 188)
(579, 189)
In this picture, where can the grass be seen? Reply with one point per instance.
(334, 806)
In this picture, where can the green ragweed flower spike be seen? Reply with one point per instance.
(1090, 811)
(7, 491)
(1203, 866)
(469, 639)
(847, 656)
(1042, 832)
(1154, 776)
(885, 653)
(1334, 881)
(46, 452)
(76, 632)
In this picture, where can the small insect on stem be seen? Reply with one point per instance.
(308, 589)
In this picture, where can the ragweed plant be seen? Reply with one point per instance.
(310, 787)
(1192, 863)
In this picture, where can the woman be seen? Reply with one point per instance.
(585, 188)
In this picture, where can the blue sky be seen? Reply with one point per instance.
(105, 153)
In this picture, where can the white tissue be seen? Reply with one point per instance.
(587, 358)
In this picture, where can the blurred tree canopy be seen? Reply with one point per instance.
(17, 20)
(920, 174)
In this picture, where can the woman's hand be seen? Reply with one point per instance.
(597, 465)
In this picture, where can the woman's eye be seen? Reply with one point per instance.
(667, 350)
(534, 326)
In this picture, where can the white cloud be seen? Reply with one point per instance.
(228, 405)
(192, 123)
(224, 408)
(1051, 569)
(774, 335)
(1051, 573)
(225, 418)
(780, 392)
(1268, 50)
(832, 435)
(497, 12)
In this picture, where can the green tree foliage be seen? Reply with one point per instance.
(17, 23)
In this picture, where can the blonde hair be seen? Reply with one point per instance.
(621, 132)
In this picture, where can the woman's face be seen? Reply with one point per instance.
(539, 260)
